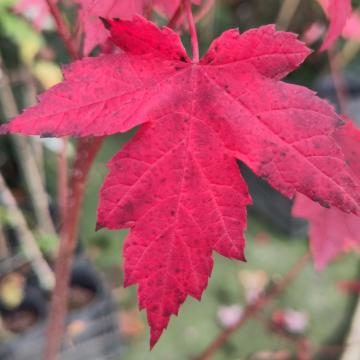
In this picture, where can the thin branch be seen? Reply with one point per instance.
(27, 161)
(36, 190)
(63, 181)
(286, 13)
(63, 30)
(204, 10)
(86, 152)
(254, 308)
(172, 24)
(30, 100)
(336, 68)
(193, 33)
(25, 236)
(349, 51)
(4, 250)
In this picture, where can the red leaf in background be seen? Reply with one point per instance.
(176, 183)
(352, 27)
(38, 9)
(91, 10)
(313, 33)
(333, 231)
(338, 11)
(168, 8)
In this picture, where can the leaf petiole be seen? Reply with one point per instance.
(192, 30)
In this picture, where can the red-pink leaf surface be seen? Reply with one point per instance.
(338, 12)
(332, 231)
(176, 183)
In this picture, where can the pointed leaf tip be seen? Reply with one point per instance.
(98, 226)
(105, 22)
(154, 337)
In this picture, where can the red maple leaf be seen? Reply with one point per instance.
(176, 184)
(338, 12)
(331, 230)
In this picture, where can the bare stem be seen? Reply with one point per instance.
(4, 250)
(63, 181)
(70, 205)
(63, 30)
(286, 13)
(25, 156)
(175, 18)
(24, 234)
(208, 5)
(86, 152)
(253, 309)
(30, 100)
(336, 69)
(193, 33)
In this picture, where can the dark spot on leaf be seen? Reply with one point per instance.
(172, 212)
(320, 201)
(128, 208)
(340, 122)
(182, 58)
(154, 308)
